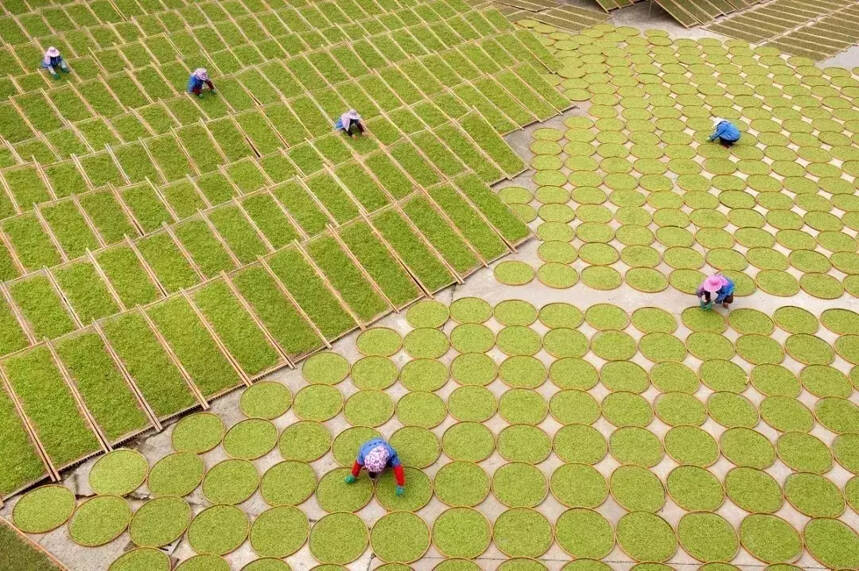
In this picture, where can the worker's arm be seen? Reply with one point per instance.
(356, 467)
(48, 65)
(394, 461)
(721, 128)
(399, 473)
(353, 475)
(716, 133)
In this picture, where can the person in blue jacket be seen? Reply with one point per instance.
(725, 131)
(376, 455)
(198, 78)
(53, 61)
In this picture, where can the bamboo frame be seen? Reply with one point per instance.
(217, 340)
(292, 300)
(326, 49)
(218, 238)
(22, 321)
(185, 253)
(329, 286)
(33, 545)
(85, 415)
(46, 228)
(253, 224)
(204, 404)
(425, 194)
(110, 289)
(41, 172)
(118, 164)
(249, 308)
(89, 222)
(336, 237)
(62, 296)
(146, 267)
(331, 230)
(72, 385)
(124, 370)
(293, 222)
(4, 186)
(50, 470)
(156, 424)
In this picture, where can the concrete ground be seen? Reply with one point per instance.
(481, 284)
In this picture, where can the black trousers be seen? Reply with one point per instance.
(354, 123)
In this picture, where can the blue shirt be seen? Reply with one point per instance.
(393, 459)
(726, 131)
(727, 289)
(194, 82)
(338, 124)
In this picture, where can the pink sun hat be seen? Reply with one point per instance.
(52, 52)
(713, 283)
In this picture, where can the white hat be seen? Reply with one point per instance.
(348, 117)
(717, 120)
(201, 73)
(52, 52)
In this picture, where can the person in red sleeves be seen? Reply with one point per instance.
(375, 455)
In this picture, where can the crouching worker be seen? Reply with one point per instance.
(725, 131)
(53, 61)
(375, 455)
(716, 289)
(199, 77)
(349, 121)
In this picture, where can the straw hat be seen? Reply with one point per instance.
(52, 52)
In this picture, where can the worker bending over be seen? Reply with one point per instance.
(716, 289)
(53, 61)
(375, 455)
(198, 78)
(349, 121)
(725, 131)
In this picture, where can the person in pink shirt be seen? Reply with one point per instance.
(716, 289)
